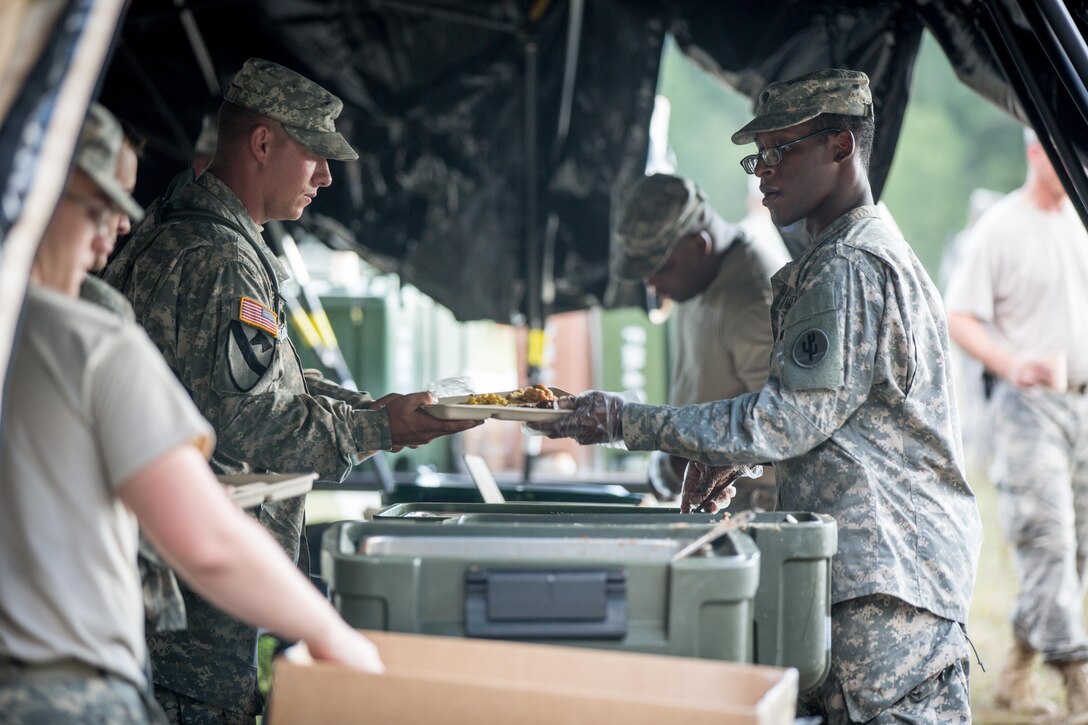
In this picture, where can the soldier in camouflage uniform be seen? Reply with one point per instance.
(44, 676)
(94, 289)
(857, 413)
(719, 276)
(206, 288)
(1017, 297)
(101, 437)
(164, 608)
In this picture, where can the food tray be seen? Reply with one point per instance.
(252, 489)
(456, 407)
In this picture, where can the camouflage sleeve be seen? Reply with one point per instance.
(821, 372)
(319, 385)
(238, 363)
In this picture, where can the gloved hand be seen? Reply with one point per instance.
(595, 417)
(710, 488)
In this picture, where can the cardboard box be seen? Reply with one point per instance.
(432, 679)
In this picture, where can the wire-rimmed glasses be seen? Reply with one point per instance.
(772, 155)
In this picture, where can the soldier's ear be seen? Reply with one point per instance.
(260, 142)
(844, 145)
(706, 244)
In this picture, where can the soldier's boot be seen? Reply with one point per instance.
(1015, 686)
(1075, 677)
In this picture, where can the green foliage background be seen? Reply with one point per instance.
(952, 142)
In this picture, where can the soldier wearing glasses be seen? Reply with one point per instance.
(99, 438)
(857, 413)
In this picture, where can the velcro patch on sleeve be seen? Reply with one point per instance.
(252, 312)
(813, 343)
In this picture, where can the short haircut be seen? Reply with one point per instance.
(236, 122)
(863, 129)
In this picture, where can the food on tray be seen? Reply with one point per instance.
(487, 399)
(535, 396)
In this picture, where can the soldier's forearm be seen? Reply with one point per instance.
(974, 337)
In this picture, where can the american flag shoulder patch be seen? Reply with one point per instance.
(252, 312)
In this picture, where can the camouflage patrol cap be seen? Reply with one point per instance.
(788, 103)
(655, 213)
(97, 154)
(306, 110)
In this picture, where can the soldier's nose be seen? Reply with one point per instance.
(322, 175)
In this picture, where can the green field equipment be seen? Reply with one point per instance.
(602, 589)
(792, 613)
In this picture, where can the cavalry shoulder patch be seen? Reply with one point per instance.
(252, 312)
(250, 354)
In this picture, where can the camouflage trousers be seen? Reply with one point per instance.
(892, 663)
(1040, 466)
(44, 698)
(182, 710)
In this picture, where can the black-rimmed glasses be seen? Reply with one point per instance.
(772, 156)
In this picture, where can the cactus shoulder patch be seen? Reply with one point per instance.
(810, 348)
(813, 342)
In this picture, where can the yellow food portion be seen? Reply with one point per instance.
(527, 397)
(488, 399)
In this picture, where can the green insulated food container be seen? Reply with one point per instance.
(792, 612)
(602, 588)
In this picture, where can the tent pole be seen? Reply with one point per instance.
(200, 48)
(1023, 78)
(575, 10)
(534, 357)
(1057, 46)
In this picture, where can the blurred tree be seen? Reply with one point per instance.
(953, 141)
(705, 113)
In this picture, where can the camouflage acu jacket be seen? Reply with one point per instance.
(209, 299)
(205, 296)
(858, 415)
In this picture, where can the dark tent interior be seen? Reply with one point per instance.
(494, 136)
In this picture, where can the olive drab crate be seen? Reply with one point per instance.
(791, 620)
(603, 589)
